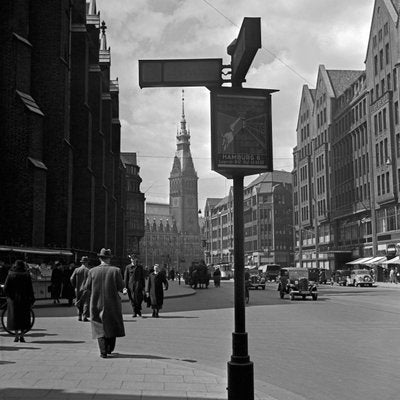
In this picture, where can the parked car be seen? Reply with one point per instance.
(296, 282)
(256, 281)
(360, 277)
(341, 276)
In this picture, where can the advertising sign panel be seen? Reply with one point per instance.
(180, 72)
(241, 131)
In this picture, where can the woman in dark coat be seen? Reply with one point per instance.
(155, 289)
(68, 291)
(56, 282)
(20, 298)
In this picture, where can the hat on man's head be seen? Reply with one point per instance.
(84, 259)
(105, 253)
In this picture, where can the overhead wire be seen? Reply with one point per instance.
(262, 47)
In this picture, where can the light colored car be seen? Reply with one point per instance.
(360, 277)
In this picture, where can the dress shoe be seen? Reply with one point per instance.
(79, 318)
(134, 316)
(21, 339)
(85, 319)
(16, 339)
(103, 355)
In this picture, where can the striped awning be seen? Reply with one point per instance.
(395, 260)
(359, 261)
(375, 260)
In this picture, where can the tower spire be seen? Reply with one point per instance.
(183, 104)
(103, 38)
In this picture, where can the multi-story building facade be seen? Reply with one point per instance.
(268, 219)
(62, 177)
(347, 158)
(134, 206)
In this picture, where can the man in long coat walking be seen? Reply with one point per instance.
(78, 280)
(135, 285)
(105, 282)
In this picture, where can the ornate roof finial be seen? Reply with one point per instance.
(103, 39)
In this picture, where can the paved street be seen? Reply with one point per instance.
(344, 346)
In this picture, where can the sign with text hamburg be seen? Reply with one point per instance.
(241, 131)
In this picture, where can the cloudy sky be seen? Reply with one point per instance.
(297, 36)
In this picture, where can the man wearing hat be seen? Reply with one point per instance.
(78, 280)
(105, 282)
(135, 283)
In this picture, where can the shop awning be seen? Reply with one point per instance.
(395, 260)
(375, 260)
(359, 261)
(31, 250)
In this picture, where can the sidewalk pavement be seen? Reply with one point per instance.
(60, 361)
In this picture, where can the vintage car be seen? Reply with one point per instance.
(296, 282)
(360, 277)
(341, 276)
(256, 281)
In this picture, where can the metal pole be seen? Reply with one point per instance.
(240, 368)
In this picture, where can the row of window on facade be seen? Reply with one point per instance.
(381, 33)
(380, 88)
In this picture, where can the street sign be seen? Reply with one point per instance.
(180, 72)
(244, 48)
(241, 131)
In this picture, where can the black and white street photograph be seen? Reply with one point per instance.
(200, 199)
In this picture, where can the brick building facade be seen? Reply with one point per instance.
(62, 178)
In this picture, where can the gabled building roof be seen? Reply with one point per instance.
(342, 79)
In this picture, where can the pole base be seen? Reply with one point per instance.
(240, 381)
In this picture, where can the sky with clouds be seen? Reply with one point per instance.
(297, 36)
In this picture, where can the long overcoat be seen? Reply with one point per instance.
(135, 282)
(20, 297)
(105, 283)
(155, 288)
(78, 280)
(56, 282)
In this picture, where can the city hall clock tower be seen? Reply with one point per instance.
(183, 200)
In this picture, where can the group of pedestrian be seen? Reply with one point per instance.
(97, 293)
(138, 290)
(105, 282)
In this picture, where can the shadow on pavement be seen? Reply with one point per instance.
(13, 348)
(57, 341)
(10, 393)
(148, 357)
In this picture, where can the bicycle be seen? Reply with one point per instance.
(3, 308)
